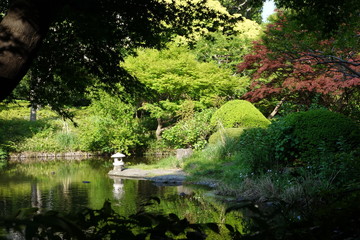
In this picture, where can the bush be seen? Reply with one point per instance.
(239, 114)
(110, 126)
(221, 134)
(316, 138)
(255, 151)
(308, 134)
(190, 132)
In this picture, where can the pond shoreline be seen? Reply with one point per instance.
(161, 176)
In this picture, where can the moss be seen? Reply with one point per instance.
(239, 114)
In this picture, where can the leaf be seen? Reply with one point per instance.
(173, 217)
(230, 228)
(214, 227)
(240, 206)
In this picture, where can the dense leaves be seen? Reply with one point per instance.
(86, 41)
(180, 84)
(238, 114)
(105, 223)
(111, 126)
(191, 132)
(298, 65)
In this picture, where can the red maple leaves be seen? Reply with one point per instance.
(291, 67)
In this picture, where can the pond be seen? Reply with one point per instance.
(69, 185)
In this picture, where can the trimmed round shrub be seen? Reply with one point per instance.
(239, 114)
(225, 133)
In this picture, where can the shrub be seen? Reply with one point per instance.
(239, 114)
(221, 134)
(314, 132)
(255, 151)
(190, 132)
(317, 137)
(110, 126)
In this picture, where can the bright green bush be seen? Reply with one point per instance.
(190, 132)
(239, 114)
(225, 133)
(110, 126)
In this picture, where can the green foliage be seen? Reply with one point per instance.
(175, 74)
(313, 137)
(255, 154)
(316, 131)
(239, 114)
(3, 155)
(191, 132)
(110, 126)
(227, 50)
(180, 84)
(225, 133)
(105, 223)
(286, 159)
(249, 9)
(71, 48)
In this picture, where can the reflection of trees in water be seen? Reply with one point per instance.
(35, 196)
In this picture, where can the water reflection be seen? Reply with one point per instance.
(67, 186)
(118, 188)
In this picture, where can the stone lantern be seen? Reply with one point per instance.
(119, 165)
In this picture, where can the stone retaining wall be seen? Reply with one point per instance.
(53, 155)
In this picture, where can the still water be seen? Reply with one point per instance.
(70, 185)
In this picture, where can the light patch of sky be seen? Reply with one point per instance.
(268, 9)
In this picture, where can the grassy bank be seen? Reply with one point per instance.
(49, 133)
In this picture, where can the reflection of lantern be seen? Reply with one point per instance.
(118, 164)
(118, 188)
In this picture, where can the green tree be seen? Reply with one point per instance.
(248, 9)
(103, 31)
(176, 77)
(228, 50)
(111, 126)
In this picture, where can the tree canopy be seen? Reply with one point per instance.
(301, 65)
(179, 83)
(93, 34)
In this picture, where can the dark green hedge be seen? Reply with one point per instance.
(318, 131)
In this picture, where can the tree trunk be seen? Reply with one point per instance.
(158, 129)
(33, 110)
(21, 33)
(276, 109)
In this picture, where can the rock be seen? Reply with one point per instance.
(161, 177)
(183, 153)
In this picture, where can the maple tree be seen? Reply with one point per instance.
(296, 64)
